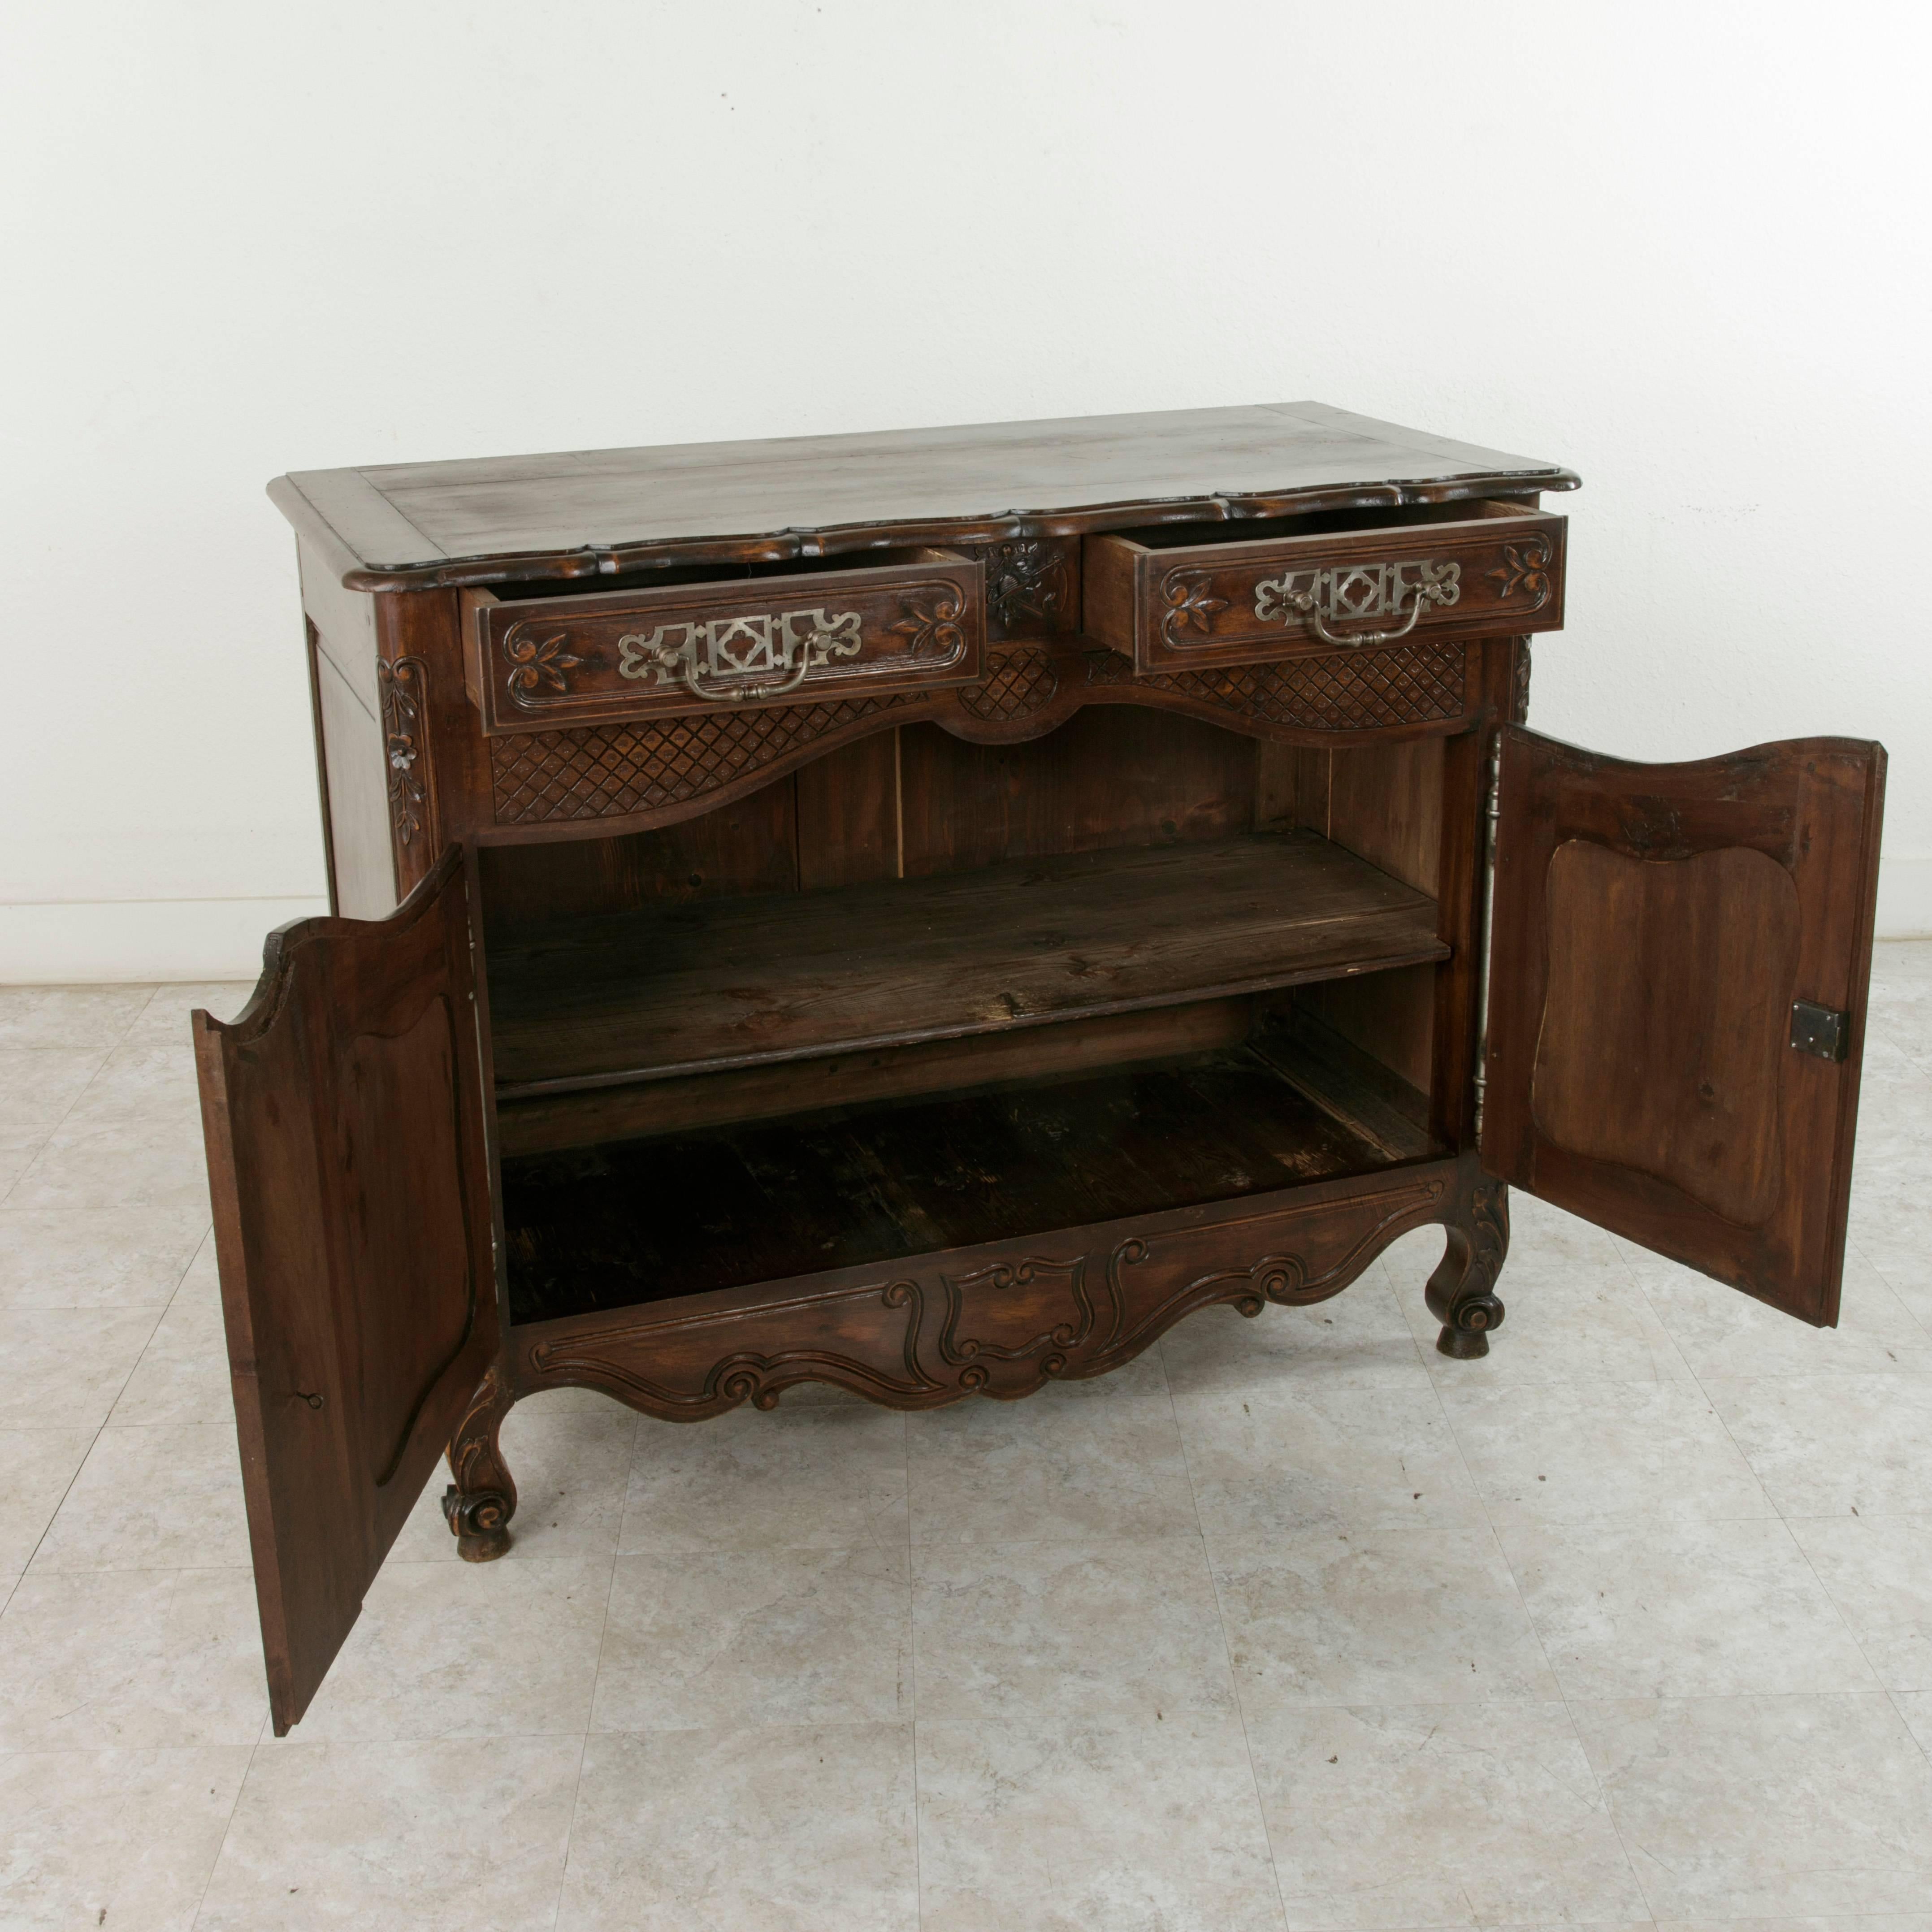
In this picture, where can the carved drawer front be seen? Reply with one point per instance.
(1171, 604)
(914, 621)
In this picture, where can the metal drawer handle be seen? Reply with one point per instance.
(725, 645)
(1441, 584)
(775, 688)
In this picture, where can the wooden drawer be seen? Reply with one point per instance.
(1171, 602)
(914, 619)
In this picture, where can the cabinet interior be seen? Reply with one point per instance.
(923, 993)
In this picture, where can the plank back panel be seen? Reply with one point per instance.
(747, 846)
(1112, 775)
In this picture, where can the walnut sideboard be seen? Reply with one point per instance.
(927, 911)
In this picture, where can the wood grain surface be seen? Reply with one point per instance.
(610, 1226)
(593, 512)
(737, 982)
(1653, 925)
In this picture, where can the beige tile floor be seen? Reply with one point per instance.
(1292, 1624)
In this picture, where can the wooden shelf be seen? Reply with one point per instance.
(607, 1227)
(744, 981)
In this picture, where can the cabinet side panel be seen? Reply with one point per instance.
(358, 789)
(347, 695)
(345, 621)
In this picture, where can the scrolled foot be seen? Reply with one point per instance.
(479, 1505)
(1461, 1291)
(482, 1522)
(1467, 1337)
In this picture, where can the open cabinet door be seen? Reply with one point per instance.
(346, 1160)
(1678, 961)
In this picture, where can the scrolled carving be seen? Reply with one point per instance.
(402, 682)
(1004, 1329)
(479, 1505)
(1002, 1339)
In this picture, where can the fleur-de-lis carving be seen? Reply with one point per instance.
(936, 629)
(1190, 605)
(535, 664)
(1524, 567)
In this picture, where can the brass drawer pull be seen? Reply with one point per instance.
(1276, 597)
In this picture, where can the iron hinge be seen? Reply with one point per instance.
(1817, 1030)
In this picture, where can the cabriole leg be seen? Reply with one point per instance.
(1461, 1291)
(479, 1503)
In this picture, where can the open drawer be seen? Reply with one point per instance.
(903, 619)
(1172, 601)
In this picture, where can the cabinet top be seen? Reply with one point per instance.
(486, 519)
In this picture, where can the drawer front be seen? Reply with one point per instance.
(543, 663)
(1183, 608)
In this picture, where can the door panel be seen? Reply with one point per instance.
(344, 1114)
(1654, 926)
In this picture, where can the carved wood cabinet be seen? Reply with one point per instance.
(927, 911)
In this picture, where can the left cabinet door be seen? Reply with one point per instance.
(350, 1177)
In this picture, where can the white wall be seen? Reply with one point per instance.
(1681, 248)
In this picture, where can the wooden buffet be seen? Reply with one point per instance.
(926, 911)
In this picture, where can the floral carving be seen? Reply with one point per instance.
(1025, 579)
(538, 665)
(402, 685)
(933, 625)
(1524, 567)
(1190, 606)
(1520, 681)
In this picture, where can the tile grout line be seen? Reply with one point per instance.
(590, 1713)
(1227, 1643)
(1543, 1649)
(94, 1439)
(1784, 1521)
(228, 1824)
(119, 1040)
(912, 1659)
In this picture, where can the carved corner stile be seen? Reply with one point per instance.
(479, 1505)
(404, 684)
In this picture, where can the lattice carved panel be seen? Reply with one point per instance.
(1349, 691)
(1018, 683)
(540, 778)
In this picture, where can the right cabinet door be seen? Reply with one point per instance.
(1679, 960)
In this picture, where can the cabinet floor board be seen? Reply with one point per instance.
(613, 1226)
